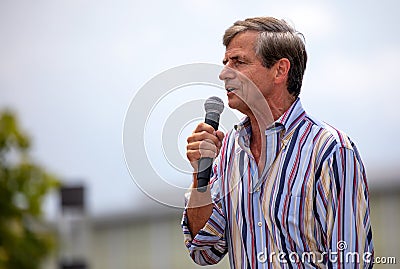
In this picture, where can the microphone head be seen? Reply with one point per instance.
(214, 104)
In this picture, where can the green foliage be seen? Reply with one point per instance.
(24, 239)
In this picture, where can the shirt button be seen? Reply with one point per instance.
(260, 224)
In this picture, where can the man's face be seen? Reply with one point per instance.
(246, 79)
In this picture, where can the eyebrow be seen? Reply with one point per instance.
(236, 57)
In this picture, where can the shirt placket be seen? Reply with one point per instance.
(260, 225)
(272, 148)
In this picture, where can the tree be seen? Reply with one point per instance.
(24, 239)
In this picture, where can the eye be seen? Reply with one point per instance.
(239, 62)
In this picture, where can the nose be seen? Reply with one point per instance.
(227, 73)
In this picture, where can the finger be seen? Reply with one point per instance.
(208, 145)
(203, 135)
(205, 144)
(207, 153)
(193, 155)
(220, 135)
(202, 126)
(204, 147)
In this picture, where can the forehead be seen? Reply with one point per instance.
(242, 43)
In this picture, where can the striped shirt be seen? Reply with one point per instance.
(308, 209)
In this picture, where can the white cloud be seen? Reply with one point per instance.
(370, 75)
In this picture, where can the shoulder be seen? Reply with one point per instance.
(336, 155)
(330, 134)
(334, 147)
(321, 133)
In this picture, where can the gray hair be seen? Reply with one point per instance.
(276, 40)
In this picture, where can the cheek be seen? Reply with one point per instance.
(256, 83)
(263, 83)
(262, 77)
(258, 79)
(249, 79)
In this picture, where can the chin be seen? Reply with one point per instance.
(232, 103)
(235, 104)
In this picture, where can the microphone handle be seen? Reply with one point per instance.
(205, 164)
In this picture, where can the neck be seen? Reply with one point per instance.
(279, 104)
(260, 118)
(267, 110)
(258, 142)
(263, 113)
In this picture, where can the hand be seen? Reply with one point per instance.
(203, 142)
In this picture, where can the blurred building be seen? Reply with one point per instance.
(151, 238)
(385, 218)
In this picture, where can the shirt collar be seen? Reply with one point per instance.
(291, 117)
(243, 124)
(288, 119)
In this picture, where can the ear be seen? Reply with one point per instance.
(282, 67)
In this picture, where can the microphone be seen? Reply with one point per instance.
(213, 107)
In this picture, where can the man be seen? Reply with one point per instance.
(287, 191)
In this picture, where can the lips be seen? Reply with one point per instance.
(230, 89)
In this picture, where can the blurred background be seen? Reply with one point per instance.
(69, 69)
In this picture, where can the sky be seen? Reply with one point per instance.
(69, 69)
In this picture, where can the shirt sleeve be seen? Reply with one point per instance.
(343, 207)
(209, 245)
